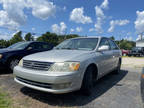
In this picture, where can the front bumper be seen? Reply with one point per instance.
(48, 81)
(2, 65)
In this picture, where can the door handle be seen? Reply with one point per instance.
(113, 56)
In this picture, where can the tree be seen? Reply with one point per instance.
(16, 38)
(125, 44)
(4, 43)
(29, 37)
(112, 37)
(51, 38)
(64, 37)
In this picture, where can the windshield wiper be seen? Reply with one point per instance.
(67, 48)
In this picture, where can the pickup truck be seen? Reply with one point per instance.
(137, 51)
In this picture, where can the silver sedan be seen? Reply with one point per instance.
(75, 64)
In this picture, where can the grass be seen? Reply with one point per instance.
(5, 101)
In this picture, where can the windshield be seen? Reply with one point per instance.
(79, 44)
(19, 45)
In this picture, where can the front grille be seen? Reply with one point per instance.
(36, 65)
(39, 84)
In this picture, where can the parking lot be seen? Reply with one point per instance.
(112, 91)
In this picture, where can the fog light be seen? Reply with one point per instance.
(61, 86)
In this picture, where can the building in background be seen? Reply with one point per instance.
(140, 43)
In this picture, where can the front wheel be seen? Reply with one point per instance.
(13, 63)
(87, 84)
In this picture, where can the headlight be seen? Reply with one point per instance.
(21, 63)
(65, 67)
(1, 56)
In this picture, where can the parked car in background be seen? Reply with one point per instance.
(10, 57)
(74, 64)
(1, 47)
(125, 52)
(137, 51)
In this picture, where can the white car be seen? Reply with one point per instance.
(74, 64)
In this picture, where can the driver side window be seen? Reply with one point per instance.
(104, 42)
(36, 46)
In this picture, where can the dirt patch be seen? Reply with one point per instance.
(133, 62)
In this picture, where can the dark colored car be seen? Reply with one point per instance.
(10, 57)
(2, 47)
(137, 51)
(125, 52)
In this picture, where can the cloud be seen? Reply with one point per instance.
(114, 23)
(4, 36)
(59, 29)
(42, 9)
(91, 29)
(105, 4)
(79, 29)
(139, 23)
(12, 14)
(129, 38)
(77, 15)
(6, 22)
(139, 37)
(100, 17)
(33, 28)
(64, 8)
(72, 30)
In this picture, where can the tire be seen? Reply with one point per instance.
(87, 83)
(13, 63)
(117, 70)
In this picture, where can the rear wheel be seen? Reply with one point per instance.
(13, 63)
(117, 71)
(87, 84)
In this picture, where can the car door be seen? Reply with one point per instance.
(46, 47)
(34, 48)
(106, 57)
(116, 53)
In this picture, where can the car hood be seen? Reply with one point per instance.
(5, 50)
(57, 55)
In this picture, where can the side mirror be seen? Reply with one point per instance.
(29, 48)
(103, 48)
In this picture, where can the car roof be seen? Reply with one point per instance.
(34, 42)
(90, 37)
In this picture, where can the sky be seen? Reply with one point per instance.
(118, 18)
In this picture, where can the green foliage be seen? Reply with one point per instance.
(112, 37)
(125, 44)
(16, 38)
(29, 37)
(51, 38)
(4, 43)
(55, 39)
(5, 102)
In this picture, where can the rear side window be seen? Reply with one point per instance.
(46, 46)
(113, 46)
